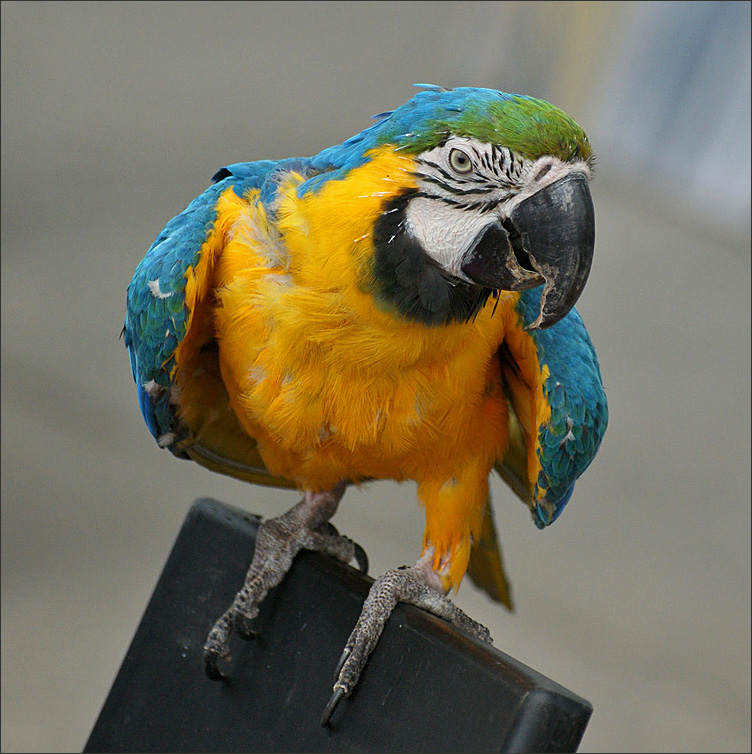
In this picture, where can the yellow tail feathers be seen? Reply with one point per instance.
(486, 567)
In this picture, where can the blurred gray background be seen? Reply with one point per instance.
(114, 116)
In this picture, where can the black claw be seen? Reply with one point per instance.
(361, 558)
(210, 666)
(339, 693)
(341, 663)
(243, 628)
(328, 528)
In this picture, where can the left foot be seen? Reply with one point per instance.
(417, 585)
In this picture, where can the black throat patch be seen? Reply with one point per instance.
(409, 281)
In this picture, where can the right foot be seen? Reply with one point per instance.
(306, 526)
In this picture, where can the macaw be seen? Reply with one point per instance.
(399, 306)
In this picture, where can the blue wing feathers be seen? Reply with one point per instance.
(579, 412)
(156, 314)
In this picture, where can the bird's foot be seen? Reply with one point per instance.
(304, 527)
(417, 585)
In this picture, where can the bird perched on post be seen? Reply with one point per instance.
(399, 306)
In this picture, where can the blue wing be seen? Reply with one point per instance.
(157, 315)
(568, 440)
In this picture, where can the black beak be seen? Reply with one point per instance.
(548, 239)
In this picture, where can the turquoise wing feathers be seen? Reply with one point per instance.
(573, 389)
(156, 313)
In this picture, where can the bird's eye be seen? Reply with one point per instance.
(460, 162)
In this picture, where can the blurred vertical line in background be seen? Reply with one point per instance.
(663, 89)
(675, 101)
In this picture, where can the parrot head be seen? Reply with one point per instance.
(501, 202)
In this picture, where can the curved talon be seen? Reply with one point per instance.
(342, 661)
(337, 696)
(328, 528)
(210, 666)
(243, 628)
(361, 558)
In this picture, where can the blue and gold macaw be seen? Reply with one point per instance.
(396, 307)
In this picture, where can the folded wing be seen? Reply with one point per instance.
(169, 333)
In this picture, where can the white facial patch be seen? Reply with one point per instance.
(445, 232)
(465, 187)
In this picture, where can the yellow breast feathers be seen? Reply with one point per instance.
(331, 386)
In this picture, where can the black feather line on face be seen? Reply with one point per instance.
(410, 282)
